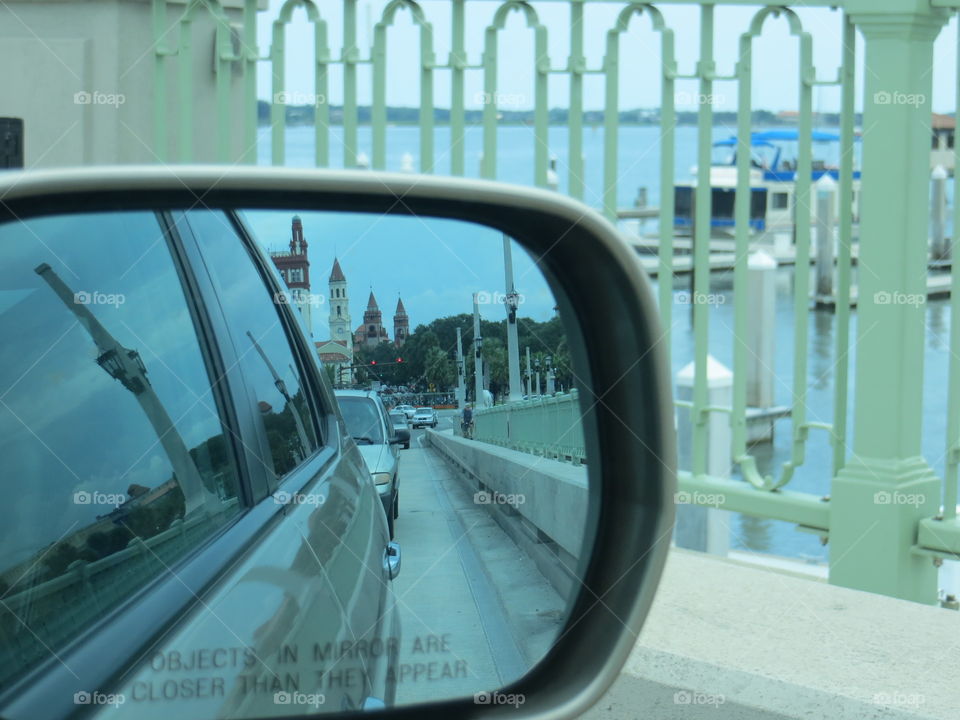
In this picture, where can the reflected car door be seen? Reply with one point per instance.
(304, 620)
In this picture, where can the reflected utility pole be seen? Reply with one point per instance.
(512, 302)
(461, 388)
(125, 365)
(477, 358)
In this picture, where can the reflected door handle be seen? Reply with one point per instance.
(391, 559)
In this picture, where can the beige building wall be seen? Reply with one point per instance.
(81, 75)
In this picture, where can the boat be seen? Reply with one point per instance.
(773, 177)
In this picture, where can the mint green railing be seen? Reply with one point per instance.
(547, 426)
(886, 548)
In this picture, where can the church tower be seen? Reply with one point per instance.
(372, 332)
(294, 267)
(339, 306)
(401, 324)
(338, 350)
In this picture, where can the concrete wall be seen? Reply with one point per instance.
(53, 52)
(547, 516)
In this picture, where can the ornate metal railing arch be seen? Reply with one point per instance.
(488, 166)
(427, 64)
(279, 99)
(668, 73)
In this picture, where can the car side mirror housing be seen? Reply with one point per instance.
(623, 400)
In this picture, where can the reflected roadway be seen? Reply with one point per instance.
(475, 611)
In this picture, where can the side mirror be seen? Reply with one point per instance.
(128, 283)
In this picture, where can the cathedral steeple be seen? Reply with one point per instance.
(401, 324)
(373, 332)
(339, 306)
(338, 350)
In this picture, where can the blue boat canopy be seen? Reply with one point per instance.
(765, 138)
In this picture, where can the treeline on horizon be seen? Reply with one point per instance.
(305, 115)
(428, 355)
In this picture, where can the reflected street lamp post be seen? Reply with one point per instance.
(512, 302)
(126, 366)
(461, 390)
(529, 374)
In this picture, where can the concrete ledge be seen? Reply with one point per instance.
(741, 643)
(549, 522)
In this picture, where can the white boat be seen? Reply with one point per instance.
(773, 175)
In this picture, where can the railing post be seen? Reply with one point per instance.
(887, 486)
(706, 529)
(762, 294)
(826, 241)
(939, 247)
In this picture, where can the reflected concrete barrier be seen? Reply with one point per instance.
(547, 426)
(541, 503)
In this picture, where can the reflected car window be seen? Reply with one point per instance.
(268, 364)
(362, 419)
(107, 409)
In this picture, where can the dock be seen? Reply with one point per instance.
(722, 254)
(938, 286)
(723, 257)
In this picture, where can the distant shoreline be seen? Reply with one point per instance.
(304, 115)
(517, 123)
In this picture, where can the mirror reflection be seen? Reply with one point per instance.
(365, 427)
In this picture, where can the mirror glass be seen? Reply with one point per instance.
(350, 444)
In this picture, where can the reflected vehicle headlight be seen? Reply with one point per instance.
(381, 478)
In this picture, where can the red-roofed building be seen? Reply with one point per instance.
(294, 267)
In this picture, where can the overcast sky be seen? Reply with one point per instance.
(775, 55)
